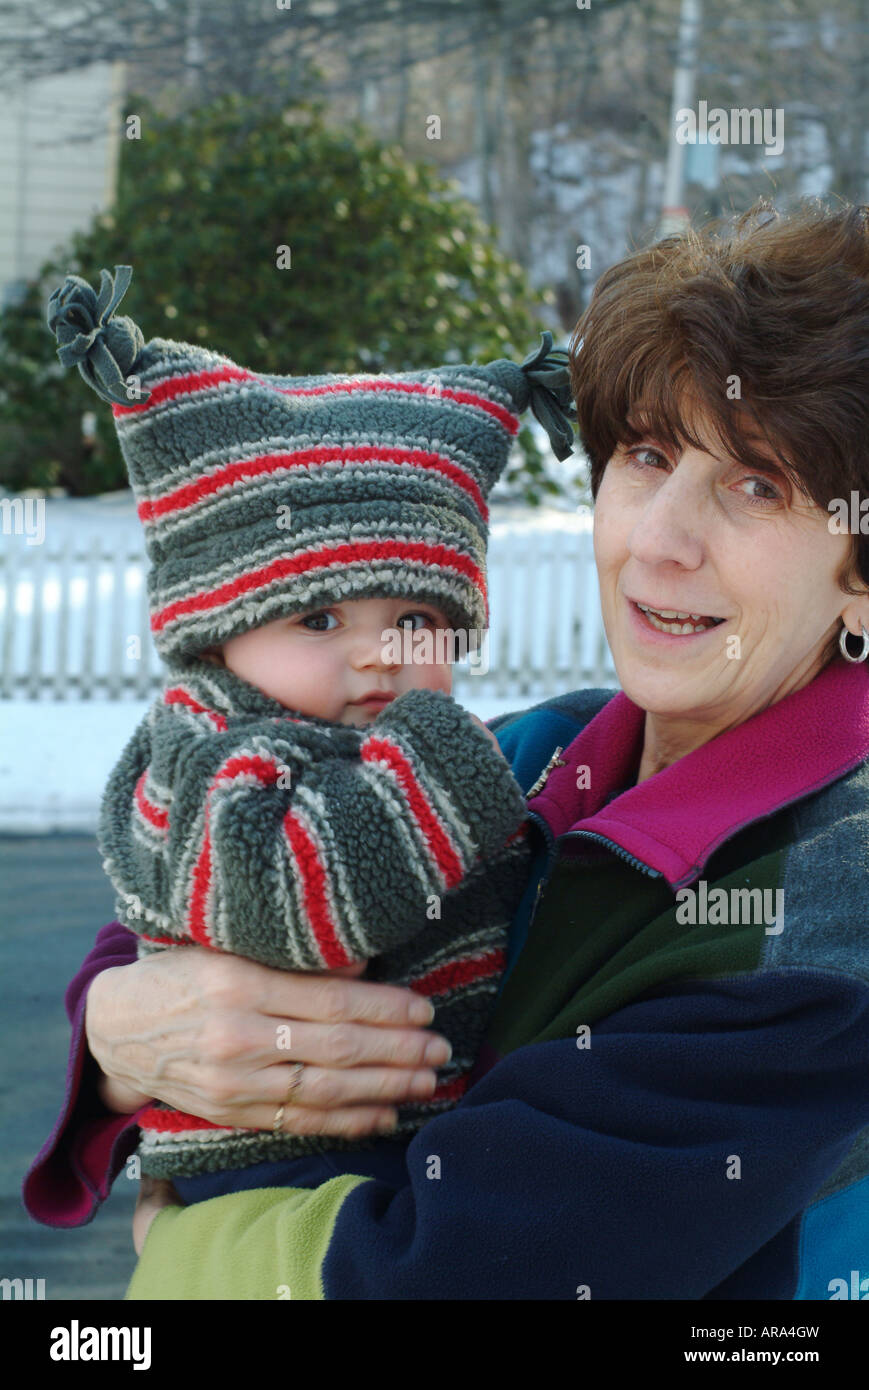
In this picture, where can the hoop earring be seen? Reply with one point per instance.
(843, 644)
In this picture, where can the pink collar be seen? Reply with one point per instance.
(674, 820)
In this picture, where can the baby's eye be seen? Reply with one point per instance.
(407, 620)
(314, 621)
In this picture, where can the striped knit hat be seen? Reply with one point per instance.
(263, 496)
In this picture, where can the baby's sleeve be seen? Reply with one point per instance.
(310, 847)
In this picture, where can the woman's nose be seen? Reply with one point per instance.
(669, 526)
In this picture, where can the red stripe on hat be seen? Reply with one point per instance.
(183, 385)
(446, 858)
(191, 382)
(413, 388)
(178, 696)
(455, 974)
(175, 1121)
(313, 877)
(319, 559)
(206, 486)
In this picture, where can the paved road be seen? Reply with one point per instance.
(53, 899)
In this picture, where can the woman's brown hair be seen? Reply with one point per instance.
(764, 328)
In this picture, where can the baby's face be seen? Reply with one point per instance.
(327, 662)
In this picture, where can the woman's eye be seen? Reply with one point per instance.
(771, 494)
(654, 455)
(314, 622)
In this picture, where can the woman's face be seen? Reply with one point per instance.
(699, 533)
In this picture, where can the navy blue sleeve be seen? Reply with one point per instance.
(671, 1159)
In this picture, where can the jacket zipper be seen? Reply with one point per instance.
(623, 853)
(616, 849)
(552, 854)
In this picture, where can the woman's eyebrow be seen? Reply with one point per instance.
(760, 462)
(762, 459)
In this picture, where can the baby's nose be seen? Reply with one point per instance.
(375, 650)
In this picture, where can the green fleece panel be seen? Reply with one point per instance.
(626, 942)
(268, 1243)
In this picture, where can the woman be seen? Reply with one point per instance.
(673, 1100)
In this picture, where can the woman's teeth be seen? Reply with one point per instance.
(685, 622)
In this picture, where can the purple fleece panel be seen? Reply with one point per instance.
(675, 820)
(74, 1170)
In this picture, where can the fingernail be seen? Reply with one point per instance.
(437, 1052)
(424, 1084)
(421, 1011)
(387, 1123)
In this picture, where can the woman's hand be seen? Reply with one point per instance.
(154, 1195)
(215, 1035)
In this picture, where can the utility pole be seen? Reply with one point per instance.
(675, 217)
(193, 50)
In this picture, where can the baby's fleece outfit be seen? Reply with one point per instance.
(234, 823)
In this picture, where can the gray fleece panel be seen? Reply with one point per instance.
(829, 930)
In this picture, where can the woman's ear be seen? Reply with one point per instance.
(855, 614)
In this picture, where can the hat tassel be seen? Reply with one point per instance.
(103, 348)
(550, 395)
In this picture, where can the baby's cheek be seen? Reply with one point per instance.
(435, 677)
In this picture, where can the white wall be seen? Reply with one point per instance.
(59, 143)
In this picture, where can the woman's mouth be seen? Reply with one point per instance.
(674, 622)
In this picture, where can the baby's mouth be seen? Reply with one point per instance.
(676, 623)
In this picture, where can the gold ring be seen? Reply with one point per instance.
(295, 1083)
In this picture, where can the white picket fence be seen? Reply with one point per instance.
(74, 620)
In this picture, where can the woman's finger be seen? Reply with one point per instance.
(246, 1094)
(332, 998)
(323, 1088)
(355, 1122)
(343, 1045)
(243, 1050)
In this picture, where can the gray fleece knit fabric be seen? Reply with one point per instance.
(234, 823)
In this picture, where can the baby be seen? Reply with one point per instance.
(302, 793)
